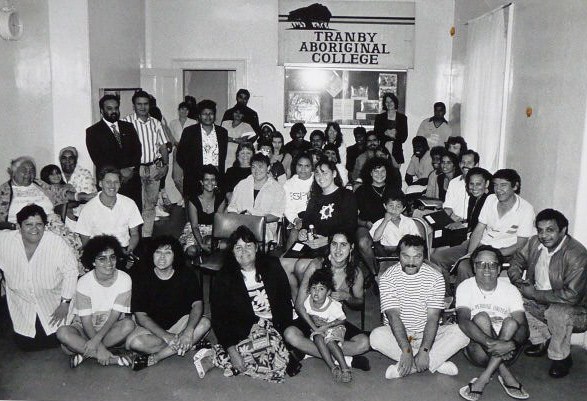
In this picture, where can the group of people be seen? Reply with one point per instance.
(334, 208)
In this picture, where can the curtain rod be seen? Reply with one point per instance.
(488, 13)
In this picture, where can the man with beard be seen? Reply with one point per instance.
(115, 143)
(250, 116)
(372, 143)
(412, 297)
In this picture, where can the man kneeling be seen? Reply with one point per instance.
(491, 313)
(167, 303)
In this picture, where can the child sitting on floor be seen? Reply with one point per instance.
(387, 232)
(326, 318)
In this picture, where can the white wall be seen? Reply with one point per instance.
(237, 29)
(549, 55)
(25, 90)
(117, 45)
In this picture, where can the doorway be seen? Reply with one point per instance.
(216, 85)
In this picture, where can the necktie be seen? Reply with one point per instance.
(116, 134)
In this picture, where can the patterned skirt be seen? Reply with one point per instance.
(263, 353)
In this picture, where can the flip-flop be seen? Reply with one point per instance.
(75, 360)
(516, 392)
(468, 393)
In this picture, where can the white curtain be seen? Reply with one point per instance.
(483, 96)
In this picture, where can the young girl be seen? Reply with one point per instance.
(276, 169)
(326, 318)
(51, 174)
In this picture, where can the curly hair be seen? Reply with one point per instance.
(322, 276)
(98, 244)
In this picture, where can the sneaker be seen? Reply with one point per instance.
(579, 339)
(448, 368)
(159, 212)
(198, 357)
(391, 372)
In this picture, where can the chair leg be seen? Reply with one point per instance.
(363, 317)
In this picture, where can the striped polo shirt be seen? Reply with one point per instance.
(150, 134)
(413, 294)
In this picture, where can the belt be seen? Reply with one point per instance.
(148, 164)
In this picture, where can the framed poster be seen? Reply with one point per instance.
(351, 97)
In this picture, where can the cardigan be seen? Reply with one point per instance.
(232, 312)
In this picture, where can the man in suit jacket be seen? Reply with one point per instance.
(115, 143)
(201, 144)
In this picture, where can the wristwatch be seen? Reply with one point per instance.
(425, 350)
(65, 300)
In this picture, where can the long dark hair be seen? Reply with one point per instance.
(350, 269)
(315, 189)
(338, 139)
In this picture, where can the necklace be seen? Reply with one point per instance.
(380, 194)
(207, 204)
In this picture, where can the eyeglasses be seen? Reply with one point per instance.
(494, 266)
(105, 259)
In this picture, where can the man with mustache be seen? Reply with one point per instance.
(412, 297)
(554, 289)
(115, 143)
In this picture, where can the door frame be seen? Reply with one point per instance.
(238, 65)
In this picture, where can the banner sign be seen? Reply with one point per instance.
(361, 34)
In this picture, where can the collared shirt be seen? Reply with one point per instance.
(457, 197)
(501, 232)
(110, 124)
(96, 218)
(35, 287)
(420, 167)
(210, 147)
(435, 136)
(541, 272)
(150, 134)
(392, 233)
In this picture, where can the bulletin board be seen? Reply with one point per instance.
(351, 97)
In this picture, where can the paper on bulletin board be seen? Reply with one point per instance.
(343, 109)
(334, 85)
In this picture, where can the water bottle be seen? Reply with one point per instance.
(311, 232)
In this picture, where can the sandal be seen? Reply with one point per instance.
(346, 376)
(336, 374)
(198, 357)
(125, 360)
(516, 392)
(75, 360)
(468, 393)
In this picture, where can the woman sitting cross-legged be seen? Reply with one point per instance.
(348, 289)
(251, 307)
(102, 301)
(167, 304)
(202, 205)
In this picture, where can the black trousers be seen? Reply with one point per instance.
(39, 342)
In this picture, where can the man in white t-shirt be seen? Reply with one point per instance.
(506, 222)
(412, 297)
(491, 313)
